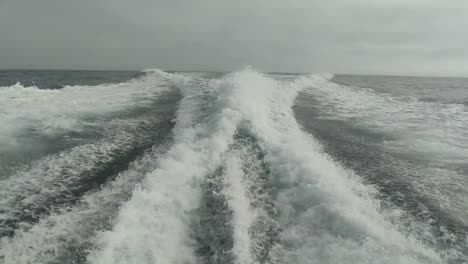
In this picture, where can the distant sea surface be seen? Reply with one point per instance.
(243, 167)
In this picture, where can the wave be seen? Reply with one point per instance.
(30, 111)
(417, 123)
(66, 235)
(322, 211)
(47, 207)
(238, 181)
(431, 132)
(60, 179)
(419, 145)
(171, 191)
(39, 122)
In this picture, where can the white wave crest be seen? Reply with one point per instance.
(433, 132)
(326, 214)
(54, 112)
(238, 201)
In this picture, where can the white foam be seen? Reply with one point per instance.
(235, 191)
(432, 132)
(327, 215)
(425, 127)
(153, 227)
(53, 178)
(55, 237)
(54, 112)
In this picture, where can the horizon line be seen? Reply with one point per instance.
(218, 71)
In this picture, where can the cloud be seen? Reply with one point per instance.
(348, 36)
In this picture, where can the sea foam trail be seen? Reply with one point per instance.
(260, 212)
(66, 235)
(59, 180)
(29, 112)
(325, 214)
(424, 153)
(162, 206)
(243, 216)
(248, 199)
(54, 185)
(153, 226)
(233, 223)
(426, 127)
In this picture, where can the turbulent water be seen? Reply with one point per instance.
(242, 168)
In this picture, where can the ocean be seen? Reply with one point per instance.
(245, 167)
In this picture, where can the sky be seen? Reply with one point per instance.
(398, 37)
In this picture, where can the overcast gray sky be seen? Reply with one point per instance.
(407, 37)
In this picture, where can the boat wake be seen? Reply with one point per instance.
(235, 179)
